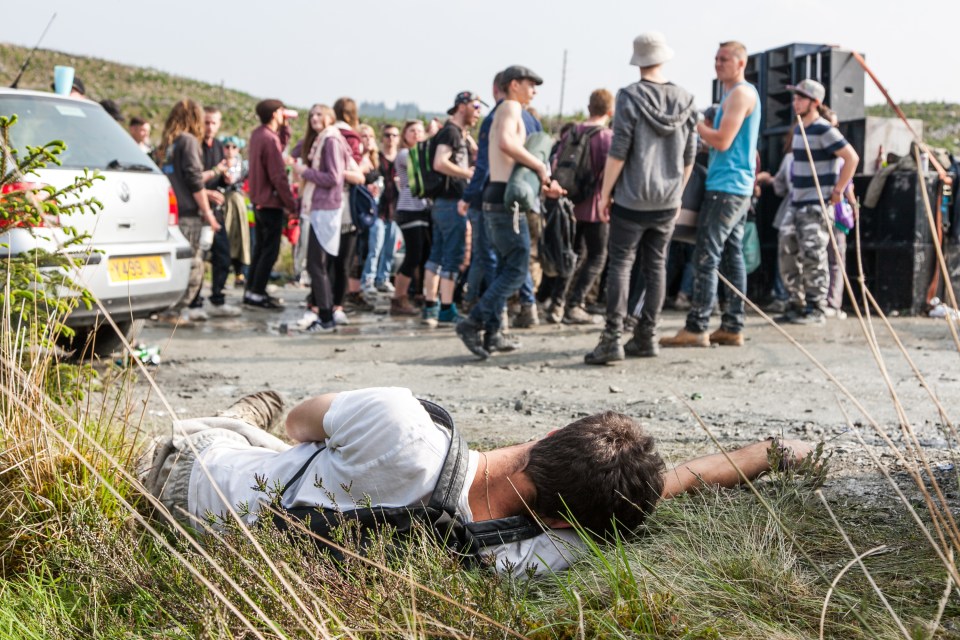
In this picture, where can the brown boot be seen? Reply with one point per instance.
(402, 307)
(686, 338)
(726, 338)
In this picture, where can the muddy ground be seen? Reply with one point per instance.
(765, 388)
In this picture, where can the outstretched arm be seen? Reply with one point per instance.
(305, 421)
(715, 469)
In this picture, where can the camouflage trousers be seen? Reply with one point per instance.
(803, 243)
(191, 227)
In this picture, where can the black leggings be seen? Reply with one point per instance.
(319, 266)
(590, 244)
(340, 266)
(416, 239)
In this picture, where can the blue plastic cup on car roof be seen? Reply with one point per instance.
(62, 80)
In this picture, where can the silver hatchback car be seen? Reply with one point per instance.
(136, 261)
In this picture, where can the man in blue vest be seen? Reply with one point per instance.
(732, 138)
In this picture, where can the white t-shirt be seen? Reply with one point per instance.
(382, 449)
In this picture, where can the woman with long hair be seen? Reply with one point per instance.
(413, 218)
(180, 157)
(325, 158)
(347, 279)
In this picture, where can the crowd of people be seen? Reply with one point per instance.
(471, 251)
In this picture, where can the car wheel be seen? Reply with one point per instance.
(100, 341)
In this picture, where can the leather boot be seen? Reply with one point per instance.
(608, 350)
(726, 338)
(686, 338)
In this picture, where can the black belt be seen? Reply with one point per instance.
(494, 207)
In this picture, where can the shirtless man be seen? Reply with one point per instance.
(507, 231)
(732, 138)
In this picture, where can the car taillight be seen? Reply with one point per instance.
(174, 211)
(31, 191)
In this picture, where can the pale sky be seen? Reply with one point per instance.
(426, 52)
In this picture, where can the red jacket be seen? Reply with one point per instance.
(269, 186)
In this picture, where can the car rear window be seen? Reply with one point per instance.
(93, 139)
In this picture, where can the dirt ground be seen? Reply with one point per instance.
(765, 388)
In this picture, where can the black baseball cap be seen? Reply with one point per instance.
(519, 72)
(462, 98)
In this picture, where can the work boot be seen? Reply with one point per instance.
(578, 315)
(555, 315)
(607, 350)
(469, 331)
(792, 313)
(402, 307)
(499, 342)
(261, 409)
(642, 345)
(527, 317)
(727, 338)
(686, 338)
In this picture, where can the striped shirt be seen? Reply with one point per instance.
(406, 201)
(824, 141)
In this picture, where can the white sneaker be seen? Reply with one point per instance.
(385, 287)
(194, 315)
(222, 311)
(340, 317)
(308, 319)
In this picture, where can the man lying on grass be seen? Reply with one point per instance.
(380, 446)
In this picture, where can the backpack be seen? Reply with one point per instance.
(423, 180)
(363, 207)
(575, 171)
(555, 247)
(439, 518)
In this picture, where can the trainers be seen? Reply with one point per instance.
(790, 315)
(402, 307)
(309, 317)
(263, 302)
(555, 314)
(262, 409)
(630, 323)
(319, 326)
(448, 316)
(194, 314)
(430, 314)
(223, 311)
(831, 312)
(642, 347)
(777, 306)
(340, 316)
(607, 350)
(681, 302)
(727, 338)
(686, 338)
(385, 287)
(579, 315)
(813, 316)
(494, 342)
(469, 332)
(527, 317)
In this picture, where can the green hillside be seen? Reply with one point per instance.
(941, 121)
(139, 91)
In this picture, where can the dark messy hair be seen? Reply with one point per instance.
(597, 470)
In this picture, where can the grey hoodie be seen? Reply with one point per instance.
(653, 133)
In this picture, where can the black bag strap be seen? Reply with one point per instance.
(453, 474)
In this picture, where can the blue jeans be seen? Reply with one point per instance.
(513, 257)
(483, 263)
(449, 239)
(381, 243)
(719, 246)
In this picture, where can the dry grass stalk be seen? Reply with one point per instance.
(836, 581)
(858, 558)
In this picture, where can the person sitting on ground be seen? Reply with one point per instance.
(381, 447)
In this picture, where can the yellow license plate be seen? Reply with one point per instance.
(136, 268)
